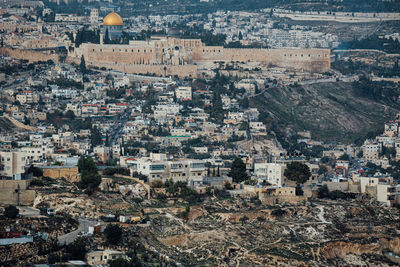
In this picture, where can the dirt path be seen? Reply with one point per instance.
(321, 214)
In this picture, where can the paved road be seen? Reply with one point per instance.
(64, 239)
(29, 211)
(70, 237)
(118, 126)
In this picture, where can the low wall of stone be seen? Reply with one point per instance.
(69, 173)
(272, 200)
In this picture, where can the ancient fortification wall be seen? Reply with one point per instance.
(31, 56)
(301, 59)
(173, 56)
(157, 70)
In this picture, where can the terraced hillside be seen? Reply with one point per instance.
(331, 111)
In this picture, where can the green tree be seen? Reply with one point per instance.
(244, 103)
(90, 179)
(238, 171)
(11, 212)
(323, 191)
(113, 233)
(344, 157)
(70, 115)
(244, 219)
(299, 190)
(120, 262)
(82, 66)
(261, 219)
(52, 258)
(297, 171)
(95, 137)
(77, 249)
(86, 164)
(278, 212)
(37, 172)
(322, 169)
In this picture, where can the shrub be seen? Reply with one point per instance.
(228, 186)
(77, 249)
(37, 182)
(120, 170)
(336, 194)
(11, 212)
(221, 193)
(113, 233)
(323, 191)
(161, 197)
(278, 212)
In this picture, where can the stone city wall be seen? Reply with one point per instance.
(317, 60)
(31, 56)
(157, 70)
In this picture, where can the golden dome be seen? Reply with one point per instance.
(113, 19)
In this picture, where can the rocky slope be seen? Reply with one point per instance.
(331, 111)
(326, 233)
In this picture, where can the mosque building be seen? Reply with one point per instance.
(113, 26)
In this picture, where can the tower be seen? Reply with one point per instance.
(94, 16)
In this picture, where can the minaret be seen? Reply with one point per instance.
(101, 38)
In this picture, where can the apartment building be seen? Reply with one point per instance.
(272, 173)
(183, 93)
(159, 168)
(12, 164)
(371, 150)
